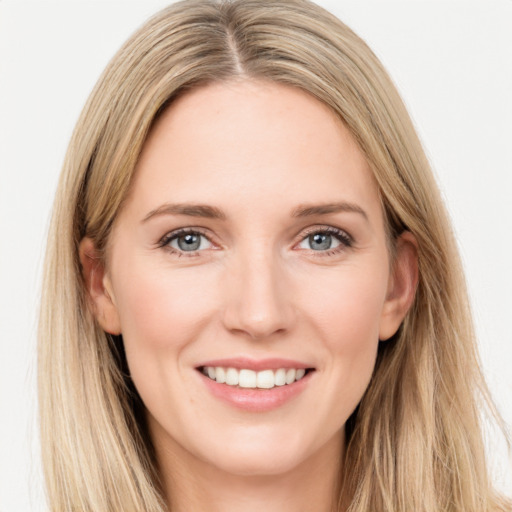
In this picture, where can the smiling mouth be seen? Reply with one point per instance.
(251, 379)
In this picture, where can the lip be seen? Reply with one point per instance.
(256, 400)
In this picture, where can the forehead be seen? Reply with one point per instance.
(244, 143)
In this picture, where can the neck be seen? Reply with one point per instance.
(192, 485)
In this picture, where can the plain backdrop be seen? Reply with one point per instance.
(452, 62)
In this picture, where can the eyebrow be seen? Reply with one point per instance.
(324, 209)
(192, 210)
(212, 212)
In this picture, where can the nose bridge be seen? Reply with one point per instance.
(257, 301)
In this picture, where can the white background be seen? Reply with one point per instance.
(452, 62)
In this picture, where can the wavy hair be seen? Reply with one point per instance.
(415, 441)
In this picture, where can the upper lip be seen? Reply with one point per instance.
(255, 364)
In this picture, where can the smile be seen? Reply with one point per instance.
(256, 385)
(251, 379)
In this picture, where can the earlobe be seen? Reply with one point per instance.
(98, 287)
(402, 285)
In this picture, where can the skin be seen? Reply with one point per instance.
(256, 288)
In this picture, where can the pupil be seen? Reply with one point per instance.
(189, 242)
(320, 241)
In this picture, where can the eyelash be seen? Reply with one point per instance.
(169, 237)
(346, 241)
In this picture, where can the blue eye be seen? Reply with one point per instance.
(325, 241)
(186, 241)
(321, 242)
(328, 239)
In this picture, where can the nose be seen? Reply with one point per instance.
(258, 299)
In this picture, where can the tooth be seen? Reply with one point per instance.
(265, 379)
(280, 377)
(247, 379)
(232, 377)
(290, 376)
(220, 375)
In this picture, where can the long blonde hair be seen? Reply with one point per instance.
(415, 442)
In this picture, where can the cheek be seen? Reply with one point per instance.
(157, 311)
(346, 312)
(346, 306)
(161, 314)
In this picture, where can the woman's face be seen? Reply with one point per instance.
(251, 248)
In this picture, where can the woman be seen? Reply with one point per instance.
(252, 294)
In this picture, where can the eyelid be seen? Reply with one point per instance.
(164, 242)
(325, 229)
(345, 239)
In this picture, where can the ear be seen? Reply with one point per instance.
(99, 287)
(402, 285)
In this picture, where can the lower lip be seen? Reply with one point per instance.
(256, 400)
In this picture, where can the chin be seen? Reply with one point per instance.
(260, 454)
(257, 464)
